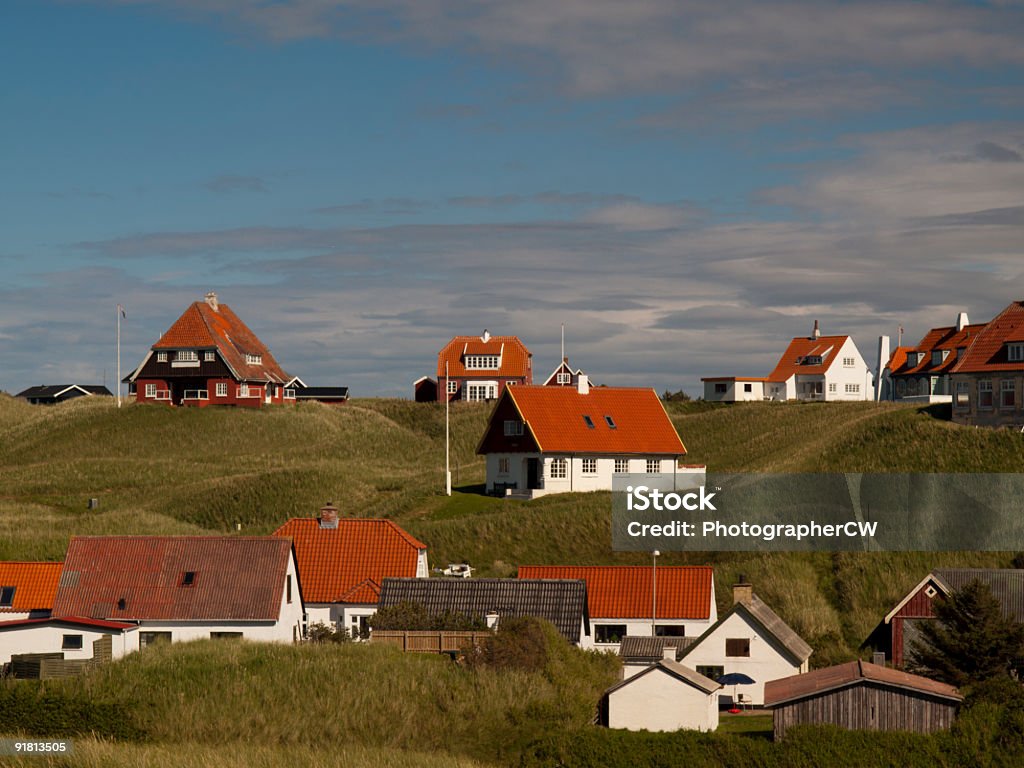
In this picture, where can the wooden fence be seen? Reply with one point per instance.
(427, 641)
(47, 666)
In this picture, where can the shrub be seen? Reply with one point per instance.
(408, 616)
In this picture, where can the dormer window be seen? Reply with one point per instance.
(912, 359)
(939, 356)
(812, 360)
(483, 362)
(1015, 352)
(253, 359)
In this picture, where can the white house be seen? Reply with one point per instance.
(343, 563)
(622, 605)
(753, 640)
(666, 696)
(178, 588)
(543, 440)
(75, 638)
(815, 367)
(27, 589)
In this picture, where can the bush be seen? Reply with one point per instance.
(39, 709)
(520, 643)
(325, 633)
(409, 617)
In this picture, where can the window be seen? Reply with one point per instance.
(669, 630)
(939, 356)
(225, 635)
(222, 389)
(453, 387)
(186, 356)
(737, 646)
(849, 362)
(831, 387)
(563, 378)
(748, 387)
(487, 390)
(243, 390)
(147, 639)
(1015, 352)
(1007, 393)
(963, 394)
(188, 579)
(609, 633)
(812, 360)
(7, 596)
(653, 466)
(901, 387)
(930, 591)
(288, 588)
(712, 671)
(590, 466)
(161, 357)
(254, 359)
(503, 465)
(513, 428)
(720, 388)
(588, 421)
(151, 390)
(911, 359)
(71, 643)
(558, 469)
(485, 362)
(984, 394)
(852, 389)
(209, 357)
(610, 422)
(621, 466)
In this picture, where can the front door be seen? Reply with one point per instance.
(532, 473)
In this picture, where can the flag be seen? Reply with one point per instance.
(120, 309)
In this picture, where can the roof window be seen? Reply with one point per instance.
(589, 421)
(188, 579)
(7, 596)
(610, 422)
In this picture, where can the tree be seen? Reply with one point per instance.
(409, 616)
(970, 640)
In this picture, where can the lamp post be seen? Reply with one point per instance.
(654, 592)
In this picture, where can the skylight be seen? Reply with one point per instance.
(6, 596)
(610, 422)
(188, 578)
(589, 421)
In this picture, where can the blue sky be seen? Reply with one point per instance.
(685, 185)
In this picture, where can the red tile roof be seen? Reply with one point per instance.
(624, 591)
(937, 339)
(787, 689)
(35, 585)
(515, 357)
(77, 621)
(347, 564)
(827, 347)
(987, 352)
(898, 358)
(554, 416)
(202, 327)
(238, 578)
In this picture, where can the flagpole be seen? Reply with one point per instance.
(118, 382)
(447, 448)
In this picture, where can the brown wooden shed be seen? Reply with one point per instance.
(862, 696)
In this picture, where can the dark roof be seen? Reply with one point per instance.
(54, 390)
(819, 681)
(563, 602)
(676, 670)
(318, 393)
(770, 622)
(1006, 584)
(648, 650)
(237, 578)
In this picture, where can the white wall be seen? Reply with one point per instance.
(660, 702)
(46, 638)
(735, 391)
(857, 374)
(642, 628)
(767, 660)
(575, 479)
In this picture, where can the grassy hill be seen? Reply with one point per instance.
(160, 470)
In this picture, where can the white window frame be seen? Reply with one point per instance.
(209, 357)
(558, 469)
(161, 357)
(253, 359)
(452, 386)
(588, 466)
(853, 389)
(483, 362)
(222, 389)
(621, 466)
(832, 387)
(150, 391)
(1007, 385)
(563, 378)
(849, 362)
(653, 466)
(1015, 352)
(186, 356)
(503, 465)
(985, 388)
(481, 391)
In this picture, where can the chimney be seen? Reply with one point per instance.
(962, 321)
(668, 652)
(817, 331)
(328, 516)
(742, 592)
(486, 336)
(583, 384)
(211, 299)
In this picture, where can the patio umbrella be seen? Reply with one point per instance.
(734, 679)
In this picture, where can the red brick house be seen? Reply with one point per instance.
(921, 373)
(210, 357)
(988, 376)
(481, 367)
